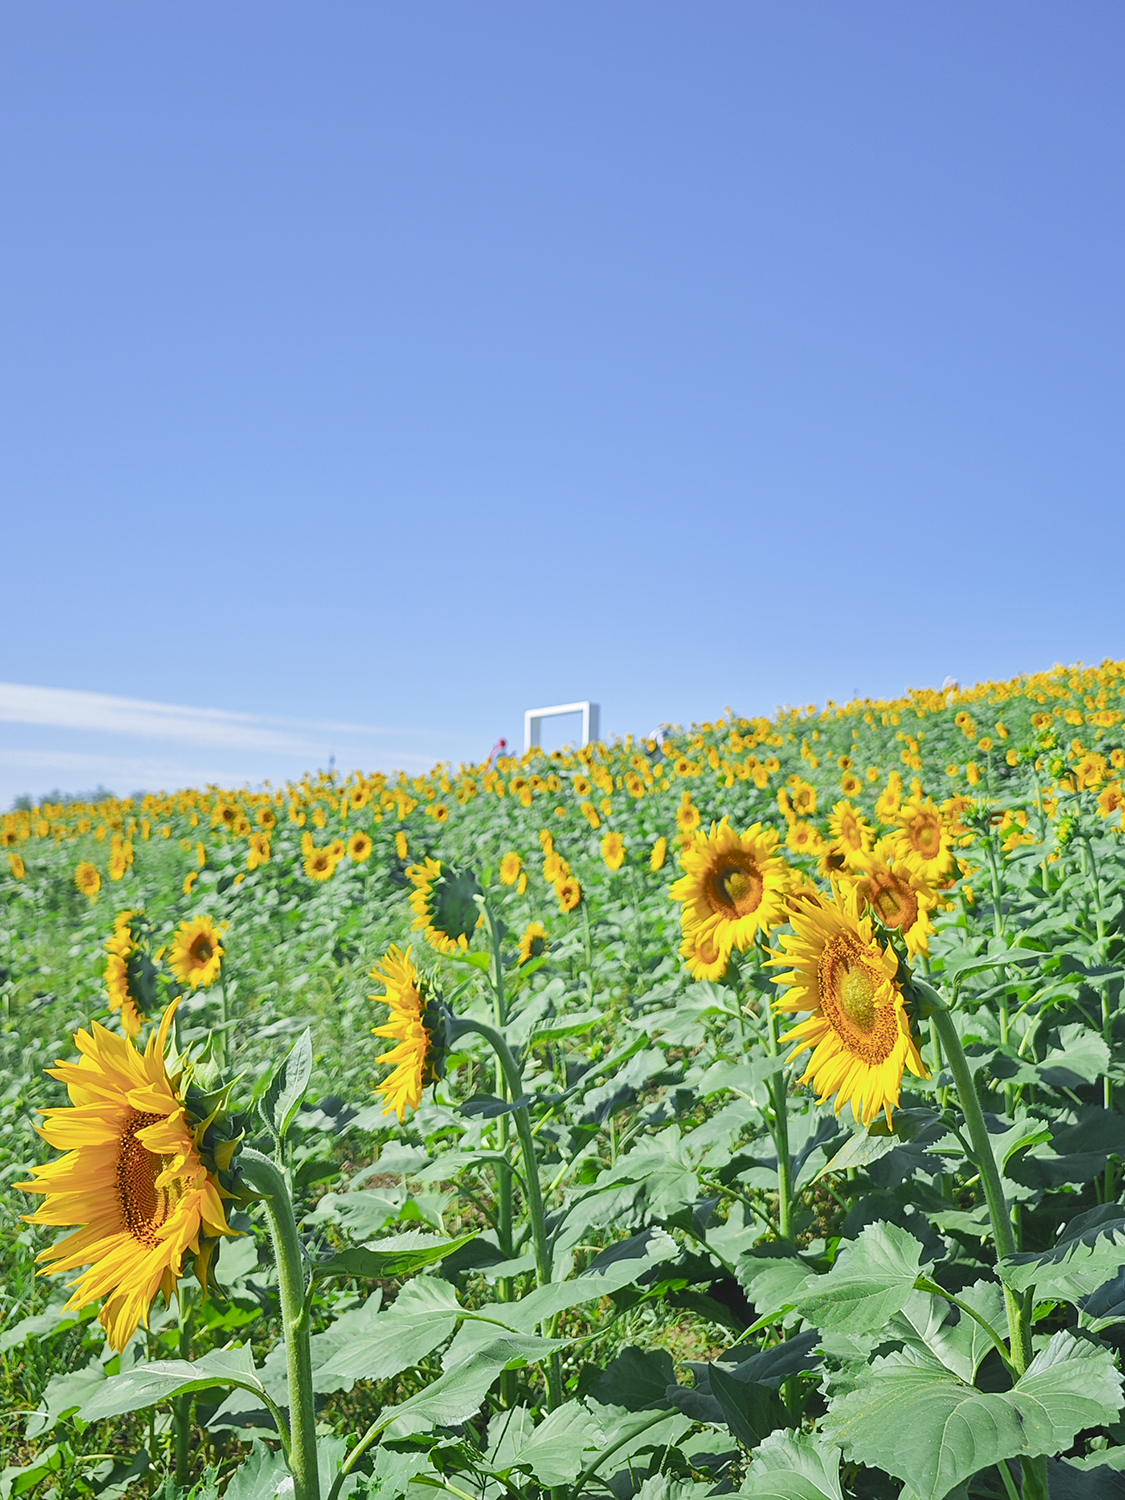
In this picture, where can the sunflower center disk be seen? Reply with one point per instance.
(201, 951)
(144, 1206)
(857, 998)
(736, 889)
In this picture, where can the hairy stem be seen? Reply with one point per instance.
(269, 1180)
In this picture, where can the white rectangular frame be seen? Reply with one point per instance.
(533, 721)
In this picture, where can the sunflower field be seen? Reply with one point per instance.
(738, 1111)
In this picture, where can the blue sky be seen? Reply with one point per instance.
(405, 366)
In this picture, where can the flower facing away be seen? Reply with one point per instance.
(417, 1056)
(613, 850)
(510, 867)
(196, 955)
(359, 848)
(130, 975)
(258, 852)
(19, 869)
(898, 894)
(569, 893)
(534, 943)
(734, 885)
(132, 1181)
(88, 881)
(659, 854)
(859, 1032)
(445, 907)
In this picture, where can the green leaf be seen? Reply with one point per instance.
(144, 1385)
(64, 1394)
(397, 1255)
(1080, 1057)
(794, 1466)
(17, 1478)
(751, 1411)
(457, 1394)
(951, 1335)
(260, 1477)
(859, 1150)
(914, 1418)
(870, 1282)
(286, 1089)
(558, 1449)
(638, 1380)
(572, 1025)
(423, 1316)
(1090, 1252)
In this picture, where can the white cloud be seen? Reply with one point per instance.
(215, 728)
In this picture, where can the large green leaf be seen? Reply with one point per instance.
(558, 1449)
(423, 1316)
(794, 1466)
(64, 1394)
(914, 1418)
(144, 1385)
(870, 1282)
(397, 1255)
(259, 1477)
(1090, 1251)
(456, 1395)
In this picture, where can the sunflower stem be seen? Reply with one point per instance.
(269, 1180)
(1019, 1334)
(181, 1406)
(779, 1129)
(536, 1212)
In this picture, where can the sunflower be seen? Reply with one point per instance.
(320, 864)
(734, 885)
(417, 1056)
(130, 975)
(258, 852)
(569, 893)
(510, 867)
(266, 818)
(189, 881)
(402, 848)
(19, 869)
(706, 950)
(591, 814)
(445, 906)
(88, 881)
(803, 838)
(850, 830)
(688, 816)
(132, 1180)
(533, 943)
(924, 841)
(581, 786)
(337, 849)
(197, 954)
(613, 850)
(900, 897)
(859, 1032)
(850, 783)
(359, 848)
(659, 854)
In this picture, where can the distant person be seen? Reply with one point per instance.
(497, 749)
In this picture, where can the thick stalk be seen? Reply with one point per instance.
(181, 1406)
(779, 1129)
(1019, 1329)
(536, 1211)
(268, 1179)
(1002, 1232)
